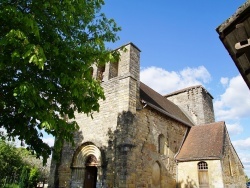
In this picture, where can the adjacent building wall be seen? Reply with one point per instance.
(188, 174)
(196, 103)
(148, 167)
(233, 173)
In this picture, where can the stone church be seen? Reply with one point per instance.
(141, 139)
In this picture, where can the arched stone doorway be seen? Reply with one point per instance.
(90, 172)
(86, 166)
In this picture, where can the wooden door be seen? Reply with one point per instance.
(203, 179)
(203, 174)
(90, 177)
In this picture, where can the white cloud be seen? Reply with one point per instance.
(164, 81)
(235, 102)
(234, 128)
(242, 144)
(243, 147)
(193, 75)
(245, 159)
(224, 81)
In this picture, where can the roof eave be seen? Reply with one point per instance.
(187, 89)
(198, 159)
(240, 12)
(225, 29)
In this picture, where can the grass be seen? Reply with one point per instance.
(11, 186)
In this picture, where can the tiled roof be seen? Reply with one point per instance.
(163, 105)
(203, 142)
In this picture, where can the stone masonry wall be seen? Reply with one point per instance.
(233, 173)
(208, 108)
(196, 103)
(121, 94)
(188, 174)
(149, 168)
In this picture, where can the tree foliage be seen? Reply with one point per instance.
(29, 177)
(24, 178)
(47, 48)
(10, 162)
(20, 165)
(247, 179)
(30, 160)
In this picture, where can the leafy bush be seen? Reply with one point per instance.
(11, 186)
(33, 177)
(29, 177)
(20, 166)
(23, 183)
(10, 163)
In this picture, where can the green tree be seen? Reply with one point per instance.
(47, 49)
(33, 177)
(24, 178)
(32, 161)
(10, 163)
(29, 177)
(247, 178)
(19, 164)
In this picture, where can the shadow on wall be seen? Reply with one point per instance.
(57, 165)
(128, 136)
(119, 146)
(114, 168)
(189, 183)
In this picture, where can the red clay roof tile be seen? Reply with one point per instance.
(203, 142)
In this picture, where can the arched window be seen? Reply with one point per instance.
(202, 166)
(203, 174)
(156, 175)
(163, 147)
(100, 72)
(113, 70)
(162, 144)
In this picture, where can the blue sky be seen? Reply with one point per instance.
(180, 48)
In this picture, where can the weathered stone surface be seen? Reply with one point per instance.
(196, 102)
(133, 146)
(232, 171)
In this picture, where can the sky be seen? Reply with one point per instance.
(180, 47)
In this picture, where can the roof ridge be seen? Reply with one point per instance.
(187, 89)
(149, 95)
